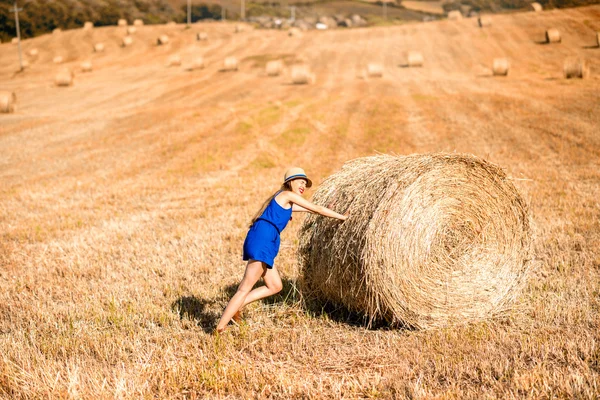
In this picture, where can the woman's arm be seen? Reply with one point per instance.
(297, 208)
(296, 199)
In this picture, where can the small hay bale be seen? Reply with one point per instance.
(122, 22)
(58, 60)
(274, 67)
(171, 23)
(230, 64)
(295, 32)
(197, 63)
(162, 40)
(414, 59)
(500, 66)
(301, 75)
(432, 240)
(484, 21)
(553, 36)
(201, 36)
(138, 22)
(131, 30)
(238, 28)
(575, 68)
(86, 66)
(33, 52)
(8, 101)
(127, 41)
(454, 15)
(88, 25)
(64, 78)
(174, 60)
(99, 47)
(14, 40)
(537, 7)
(56, 31)
(375, 70)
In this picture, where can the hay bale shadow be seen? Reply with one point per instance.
(204, 311)
(591, 47)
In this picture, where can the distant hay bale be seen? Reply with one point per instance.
(295, 32)
(454, 15)
(86, 66)
(500, 66)
(122, 22)
(197, 63)
(171, 23)
(414, 59)
(553, 36)
(301, 75)
(56, 31)
(33, 52)
(537, 7)
(58, 60)
(432, 240)
(138, 22)
(127, 41)
(201, 36)
(162, 40)
(8, 101)
(274, 68)
(131, 30)
(14, 40)
(230, 64)
(88, 25)
(238, 28)
(575, 68)
(99, 47)
(484, 20)
(374, 70)
(174, 60)
(64, 78)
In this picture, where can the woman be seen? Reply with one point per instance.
(262, 242)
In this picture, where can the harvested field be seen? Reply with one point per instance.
(125, 199)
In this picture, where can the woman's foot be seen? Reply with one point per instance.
(218, 331)
(237, 317)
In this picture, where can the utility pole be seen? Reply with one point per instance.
(223, 12)
(16, 11)
(189, 8)
(384, 9)
(293, 13)
(243, 11)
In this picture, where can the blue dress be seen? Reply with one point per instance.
(262, 241)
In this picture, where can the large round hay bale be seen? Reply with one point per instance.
(484, 20)
(64, 78)
(197, 63)
(230, 64)
(414, 59)
(8, 101)
(537, 7)
(58, 60)
(301, 75)
(432, 240)
(575, 68)
(131, 30)
(201, 36)
(99, 47)
(162, 39)
(88, 25)
(127, 41)
(174, 60)
(454, 15)
(552, 36)
(274, 67)
(138, 22)
(86, 66)
(374, 70)
(122, 22)
(500, 66)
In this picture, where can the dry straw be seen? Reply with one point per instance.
(454, 15)
(162, 39)
(301, 75)
(8, 101)
(552, 36)
(432, 240)
(201, 36)
(484, 20)
(274, 68)
(374, 70)
(64, 78)
(575, 68)
(122, 22)
(537, 7)
(127, 41)
(230, 64)
(414, 59)
(500, 66)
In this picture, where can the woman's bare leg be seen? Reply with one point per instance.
(272, 286)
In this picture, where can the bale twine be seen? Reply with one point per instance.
(138, 22)
(274, 67)
(537, 7)
(201, 36)
(375, 70)
(174, 60)
(64, 78)
(230, 64)
(197, 63)
(99, 47)
(432, 240)
(58, 60)
(454, 15)
(122, 22)
(86, 66)
(88, 25)
(500, 66)
(162, 39)
(127, 41)
(575, 68)
(131, 30)
(552, 36)
(415, 59)
(33, 52)
(8, 101)
(484, 20)
(301, 75)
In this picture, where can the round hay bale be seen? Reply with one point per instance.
(301, 75)
(122, 22)
(99, 47)
(295, 32)
(415, 59)
(88, 25)
(162, 39)
(454, 15)
(432, 240)
(197, 63)
(171, 23)
(127, 41)
(131, 30)
(138, 22)
(484, 20)
(537, 7)
(274, 68)
(14, 40)
(238, 28)
(500, 66)
(8, 101)
(553, 36)
(64, 78)
(230, 64)
(56, 31)
(375, 70)
(86, 66)
(575, 68)
(174, 60)
(201, 36)
(33, 52)
(58, 60)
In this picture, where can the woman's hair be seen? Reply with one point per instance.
(285, 186)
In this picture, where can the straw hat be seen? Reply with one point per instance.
(296, 173)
